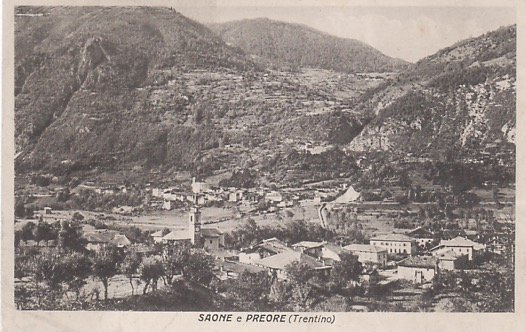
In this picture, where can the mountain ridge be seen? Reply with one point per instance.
(296, 45)
(462, 97)
(153, 89)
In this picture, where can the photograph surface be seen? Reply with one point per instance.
(302, 159)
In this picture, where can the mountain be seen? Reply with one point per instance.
(96, 84)
(460, 99)
(133, 89)
(293, 45)
(130, 88)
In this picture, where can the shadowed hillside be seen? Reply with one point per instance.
(294, 46)
(461, 98)
(89, 81)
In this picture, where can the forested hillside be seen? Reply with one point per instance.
(461, 98)
(295, 46)
(147, 88)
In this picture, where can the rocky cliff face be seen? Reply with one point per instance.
(101, 88)
(88, 81)
(462, 97)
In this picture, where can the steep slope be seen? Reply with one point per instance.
(459, 99)
(146, 88)
(88, 81)
(294, 45)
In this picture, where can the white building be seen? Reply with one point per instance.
(395, 243)
(368, 253)
(235, 196)
(168, 204)
(273, 196)
(418, 269)
(199, 187)
(459, 245)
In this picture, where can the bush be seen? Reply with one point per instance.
(40, 180)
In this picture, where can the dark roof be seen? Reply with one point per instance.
(308, 244)
(364, 248)
(238, 267)
(272, 245)
(281, 260)
(106, 236)
(419, 261)
(393, 237)
(420, 232)
(211, 232)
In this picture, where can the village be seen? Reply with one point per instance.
(403, 262)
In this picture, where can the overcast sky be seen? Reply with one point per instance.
(410, 33)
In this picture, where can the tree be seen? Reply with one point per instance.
(77, 216)
(63, 195)
(70, 237)
(458, 304)
(20, 209)
(27, 231)
(48, 268)
(53, 270)
(174, 258)
(301, 293)
(199, 268)
(251, 290)
(130, 266)
(302, 296)
(77, 269)
(299, 272)
(496, 292)
(151, 270)
(345, 272)
(105, 266)
(44, 231)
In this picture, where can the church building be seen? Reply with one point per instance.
(207, 238)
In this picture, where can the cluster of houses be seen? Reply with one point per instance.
(273, 255)
(171, 198)
(414, 264)
(416, 255)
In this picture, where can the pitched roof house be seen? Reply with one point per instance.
(418, 269)
(395, 243)
(277, 264)
(263, 249)
(460, 245)
(368, 253)
(98, 238)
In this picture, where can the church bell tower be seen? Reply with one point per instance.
(194, 221)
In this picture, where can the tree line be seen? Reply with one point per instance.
(55, 274)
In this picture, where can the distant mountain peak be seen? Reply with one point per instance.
(296, 45)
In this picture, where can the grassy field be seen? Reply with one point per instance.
(226, 219)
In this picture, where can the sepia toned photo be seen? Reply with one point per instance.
(253, 159)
